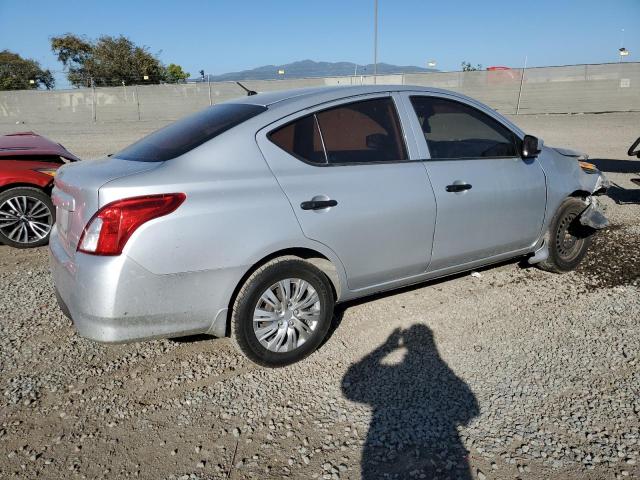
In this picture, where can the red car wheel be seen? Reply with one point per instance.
(26, 217)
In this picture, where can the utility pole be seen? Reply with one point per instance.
(137, 100)
(93, 100)
(521, 83)
(375, 41)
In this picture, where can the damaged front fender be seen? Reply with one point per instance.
(566, 178)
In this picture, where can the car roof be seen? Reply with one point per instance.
(25, 144)
(327, 93)
(284, 102)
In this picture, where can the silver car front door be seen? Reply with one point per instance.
(490, 201)
(346, 171)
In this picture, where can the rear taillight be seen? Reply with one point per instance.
(110, 228)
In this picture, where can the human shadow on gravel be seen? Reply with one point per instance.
(418, 403)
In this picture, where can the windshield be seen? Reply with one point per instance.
(186, 134)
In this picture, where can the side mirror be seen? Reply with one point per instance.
(531, 146)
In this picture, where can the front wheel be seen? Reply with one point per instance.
(26, 217)
(567, 240)
(282, 312)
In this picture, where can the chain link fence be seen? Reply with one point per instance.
(568, 89)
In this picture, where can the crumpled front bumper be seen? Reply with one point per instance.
(593, 216)
(602, 184)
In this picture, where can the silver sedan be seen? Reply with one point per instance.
(252, 218)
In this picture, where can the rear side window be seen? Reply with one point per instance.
(361, 132)
(301, 139)
(456, 130)
(186, 134)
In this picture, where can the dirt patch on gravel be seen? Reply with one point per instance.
(613, 259)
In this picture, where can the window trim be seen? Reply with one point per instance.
(516, 137)
(324, 148)
(314, 110)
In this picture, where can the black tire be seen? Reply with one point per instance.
(251, 293)
(567, 240)
(45, 215)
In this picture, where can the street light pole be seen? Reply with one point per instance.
(375, 40)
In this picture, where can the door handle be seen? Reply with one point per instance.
(458, 187)
(318, 204)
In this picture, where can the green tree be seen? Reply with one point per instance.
(106, 61)
(175, 74)
(17, 73)
(467, 67)
(76, 54)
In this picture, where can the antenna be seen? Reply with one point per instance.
(249, 92)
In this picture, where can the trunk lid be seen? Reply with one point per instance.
(76, 193)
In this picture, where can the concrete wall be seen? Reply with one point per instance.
(42, 106)
(568, 89)
(582, 88)
(498, 89)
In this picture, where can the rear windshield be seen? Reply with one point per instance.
(186, 134)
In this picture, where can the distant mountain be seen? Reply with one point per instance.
(309, 68)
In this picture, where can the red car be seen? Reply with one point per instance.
(28, 163)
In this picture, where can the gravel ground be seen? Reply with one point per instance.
(515, 373)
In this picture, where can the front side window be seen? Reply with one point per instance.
(360, 132)
(456, 130)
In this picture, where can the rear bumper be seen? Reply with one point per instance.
(114, 299)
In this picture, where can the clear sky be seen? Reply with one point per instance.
(222, 36)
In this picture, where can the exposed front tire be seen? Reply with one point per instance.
(26, 217)
(282, 312)
(567, 239)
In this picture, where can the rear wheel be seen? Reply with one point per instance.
(282, 312)
(567, 240)
(26, 217)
